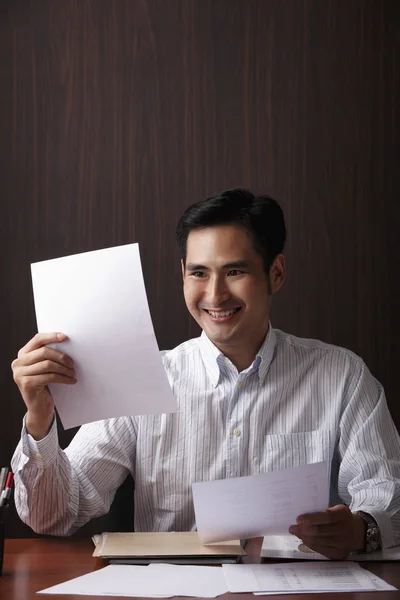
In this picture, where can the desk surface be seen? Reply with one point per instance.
(35, 564)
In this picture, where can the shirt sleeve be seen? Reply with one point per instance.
(58, 491)
(369, 448)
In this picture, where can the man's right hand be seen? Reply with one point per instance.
(35, 367)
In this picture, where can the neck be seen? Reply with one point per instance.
(241, 362)
(242, 356)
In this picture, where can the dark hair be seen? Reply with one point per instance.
(261, 216)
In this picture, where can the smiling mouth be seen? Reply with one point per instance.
(222, 314)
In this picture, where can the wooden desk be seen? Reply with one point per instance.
(34, 564)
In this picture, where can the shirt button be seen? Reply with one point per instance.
(39, 456)
(240, 385)
(237, 432)
(261, 381)
(227, 362)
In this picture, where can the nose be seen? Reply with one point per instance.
(217, 291)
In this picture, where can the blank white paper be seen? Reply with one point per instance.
(114, 580)
(155, 580)
(98, 299)
(246, 507)
(189, 580)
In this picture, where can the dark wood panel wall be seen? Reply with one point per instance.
(117, 114)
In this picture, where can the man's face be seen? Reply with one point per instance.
(226, 288)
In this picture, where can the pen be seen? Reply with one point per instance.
(3, 478)
(6, 493)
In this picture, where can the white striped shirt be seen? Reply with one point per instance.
(301, 401)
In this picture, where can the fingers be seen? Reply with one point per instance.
(331, 523)
(34, 369)
(335, 514)
(315, 531)
(332, 552)
(41, 381)
(46, 367)
(326, 517)
(329, 542)
(38, 365)
(42, 339)
(313, 543)
(42, 354)
(328, 532)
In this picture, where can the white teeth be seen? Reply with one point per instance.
(225, 313)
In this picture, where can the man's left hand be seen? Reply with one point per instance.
(335, 532)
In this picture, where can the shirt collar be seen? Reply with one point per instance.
(210, 355)
(266, 353)
(213, 357)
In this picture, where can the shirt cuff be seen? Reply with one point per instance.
(40, 453)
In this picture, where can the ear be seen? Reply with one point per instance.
(277, 273)
(183, 269)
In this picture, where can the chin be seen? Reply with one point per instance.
(218, 338)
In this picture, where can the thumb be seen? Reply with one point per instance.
(340, 511)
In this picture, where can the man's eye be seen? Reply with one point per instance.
(198, 274)
(234, 272)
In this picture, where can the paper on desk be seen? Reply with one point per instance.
(302, 577)
(99, 300)
(153, 581)
(207, 582)
(289, 546)
(377, 584)
(114, 580)
(245, 507)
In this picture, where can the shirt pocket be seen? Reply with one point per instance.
(285, 450)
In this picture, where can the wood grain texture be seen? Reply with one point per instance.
(117, 114)
(33, 565)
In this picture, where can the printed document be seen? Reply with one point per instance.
(246, 507)
(302, 577)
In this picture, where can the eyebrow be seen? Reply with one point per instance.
(237, 264)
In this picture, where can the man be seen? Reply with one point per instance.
(251, 399)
